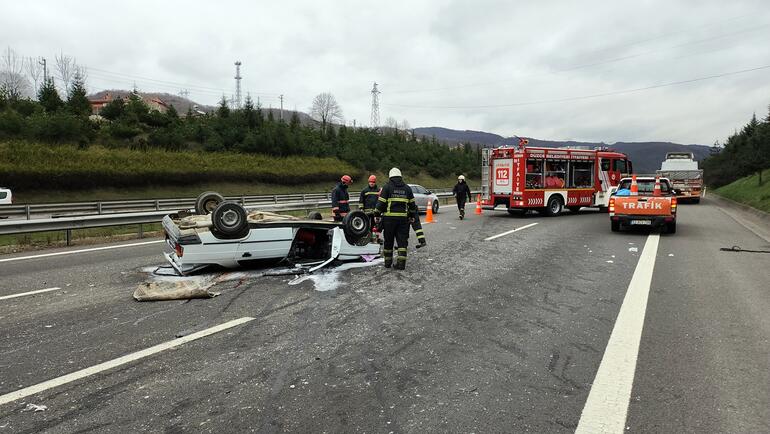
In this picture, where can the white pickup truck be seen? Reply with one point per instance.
(225, 234)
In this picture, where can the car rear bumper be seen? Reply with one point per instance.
(643, 220)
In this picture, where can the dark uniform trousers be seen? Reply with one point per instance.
(395, 229)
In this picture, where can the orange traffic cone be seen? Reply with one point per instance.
(656, 189)
(429, 212)
(478, 205)
(634, 186)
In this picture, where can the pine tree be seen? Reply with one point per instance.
(49, 96)
(113, 109)
(223, 111)
(78, 103)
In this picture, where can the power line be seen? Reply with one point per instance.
(598, 95)
(588, 65)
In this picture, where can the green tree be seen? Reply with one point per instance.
(78, 103)
(49, 97)
(113, 109)
(223, 111)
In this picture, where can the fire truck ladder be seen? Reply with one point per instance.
(485, 152)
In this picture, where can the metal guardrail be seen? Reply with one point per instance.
(146, 205)
(68, 223)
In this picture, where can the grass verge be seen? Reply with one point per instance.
(748, 191)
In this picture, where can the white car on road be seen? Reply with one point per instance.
(225, 234)
(6, 197)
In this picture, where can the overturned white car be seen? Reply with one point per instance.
(225, 234)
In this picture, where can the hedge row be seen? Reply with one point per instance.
(25, 165)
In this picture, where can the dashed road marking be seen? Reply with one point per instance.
(39, 291)
(606, 408)
(72, 252)
(77, 375)
(509, 232)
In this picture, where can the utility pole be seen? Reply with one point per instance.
(45, 69)
(184, 93)
(375, 107)
(238, 84)
(354, 124)
(281, 115)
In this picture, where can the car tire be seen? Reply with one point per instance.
(207, 202)
(554, 207)
(356, 225)
(315, 215)
(615, 225)
(435, 207)
(230, 220)
(671, 228)
(574, 209)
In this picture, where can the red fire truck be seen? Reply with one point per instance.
(550, 179)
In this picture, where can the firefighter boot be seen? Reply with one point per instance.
(401, 259)
(388, 255)
(462, 213)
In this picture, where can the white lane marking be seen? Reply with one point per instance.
(607, 404)
(77, 375)
(72, 252)
(509, 232)
(39, 291)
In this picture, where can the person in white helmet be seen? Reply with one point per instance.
(461, 191)
(396, 205)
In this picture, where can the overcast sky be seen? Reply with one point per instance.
(545, 69)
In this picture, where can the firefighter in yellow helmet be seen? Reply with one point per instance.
(396, 207)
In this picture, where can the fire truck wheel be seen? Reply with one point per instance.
(554, 206)
(615, 226)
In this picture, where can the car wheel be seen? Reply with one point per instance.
(356, 225)
(315, 215)
(206, 202)
(554, 206)
(435, 206)
(230, 220)
(671, 227)
(615, 225)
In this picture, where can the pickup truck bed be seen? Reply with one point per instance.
(644, 209)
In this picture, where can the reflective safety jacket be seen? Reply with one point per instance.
(368, 198)
(340, 199)
(396, 200)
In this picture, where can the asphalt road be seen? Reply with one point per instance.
(501, 335)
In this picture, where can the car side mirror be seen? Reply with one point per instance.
(428, 192)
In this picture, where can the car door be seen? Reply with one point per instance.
(420, 196)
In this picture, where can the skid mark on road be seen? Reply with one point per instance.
(72, 252)
(83, 373)
(607, 404)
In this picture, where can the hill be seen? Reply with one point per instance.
(646, 156)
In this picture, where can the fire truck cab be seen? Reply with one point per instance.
(550, 179)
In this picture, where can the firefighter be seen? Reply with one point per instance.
(396, 207)
(460, 192)
(367, 201)
(341, 198)
(417, 226)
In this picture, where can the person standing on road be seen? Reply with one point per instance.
(367, 201)
(396, 207)
(417, 226)
(341, 198)
(460, 192)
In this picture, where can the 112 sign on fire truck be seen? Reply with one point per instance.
(550, 179)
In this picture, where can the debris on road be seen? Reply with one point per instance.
(328, 280)
(633, 249)
(35, 408)
(739, 249)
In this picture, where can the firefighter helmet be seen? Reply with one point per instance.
(461, 178)
(346, 180)
(372, 179)
(394, 172)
